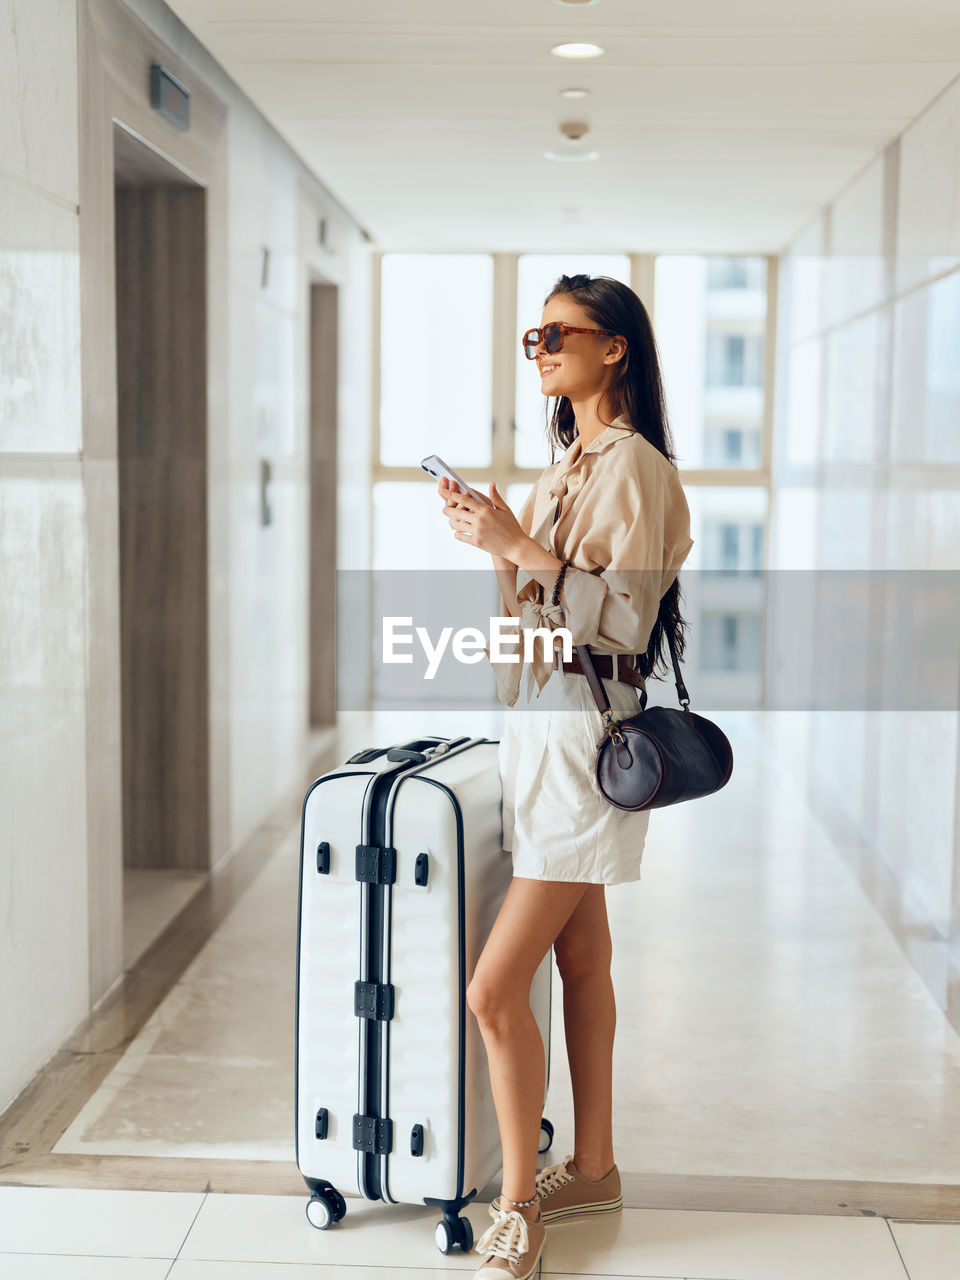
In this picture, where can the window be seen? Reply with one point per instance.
(730, 642)
(436, 358)
(712, 341)
(735, 273)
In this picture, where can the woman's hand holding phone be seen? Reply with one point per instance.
(491, 526)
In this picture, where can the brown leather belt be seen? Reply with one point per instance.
(623, 669)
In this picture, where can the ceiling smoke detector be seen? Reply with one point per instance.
(573, 131)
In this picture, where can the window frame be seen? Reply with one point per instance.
(502, 467)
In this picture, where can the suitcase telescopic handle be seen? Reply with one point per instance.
(415, 750)
(419, 751)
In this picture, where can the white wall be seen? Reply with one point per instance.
(258, 574)
(866, 476)
(43, 864)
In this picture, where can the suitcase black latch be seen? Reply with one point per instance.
(320, 1126)
(372, 1134)
(376, 865)
(373, 1000)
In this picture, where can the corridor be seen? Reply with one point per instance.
(675, 293)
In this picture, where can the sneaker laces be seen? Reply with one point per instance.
(507, 1237)
(553, 1177)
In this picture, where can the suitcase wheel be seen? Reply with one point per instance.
(326, 1209)
(546, 1135)
(456, 1232)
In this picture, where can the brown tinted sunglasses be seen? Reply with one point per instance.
(552, 336)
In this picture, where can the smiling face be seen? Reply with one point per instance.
(587, 363)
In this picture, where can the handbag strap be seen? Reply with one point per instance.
(590, 671)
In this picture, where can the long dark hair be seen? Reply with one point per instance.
(637, 395)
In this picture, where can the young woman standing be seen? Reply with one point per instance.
(610, 559)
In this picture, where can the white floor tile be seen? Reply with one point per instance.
(192, 1270)
(39, 1266)
(641, 1242)
(126, 1224)
(275, 1229)
(931, 1250)
(726, 1246)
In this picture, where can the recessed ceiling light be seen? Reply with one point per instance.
(575, 50)
(571, 155)
(574, 93)
(582, 2)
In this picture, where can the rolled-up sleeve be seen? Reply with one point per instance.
(615, 608)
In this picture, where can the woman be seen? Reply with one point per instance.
(611, 559)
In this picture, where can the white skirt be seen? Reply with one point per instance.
(556, 822)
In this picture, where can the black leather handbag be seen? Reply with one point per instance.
(657, 757)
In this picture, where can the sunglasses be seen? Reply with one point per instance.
(552, 335)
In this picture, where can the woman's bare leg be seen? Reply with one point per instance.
(584, 952)
(531, 916)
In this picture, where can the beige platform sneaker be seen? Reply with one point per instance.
(512, 1247)
(565, 1193)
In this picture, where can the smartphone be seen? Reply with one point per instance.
(437, 467)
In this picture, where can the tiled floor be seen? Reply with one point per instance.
(771, 1034)
(145, 1235)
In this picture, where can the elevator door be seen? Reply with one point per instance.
(162, 451)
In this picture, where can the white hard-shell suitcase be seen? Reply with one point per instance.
(402, 873)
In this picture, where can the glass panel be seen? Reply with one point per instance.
(516, 495)
(436, 358)
(710, 322)
(537, 273)
(411, 533)
(410, 530)
(725, 605)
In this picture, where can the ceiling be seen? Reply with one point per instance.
(721, 125)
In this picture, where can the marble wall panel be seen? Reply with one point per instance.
(854, 277)
(854, 354)
(802, 265)
(40, 352)
(915, 809)
(926, 375)
(38, 96)
(839, 761)
(885, 467)
(797, 442)
(43, 867)
(928, 201)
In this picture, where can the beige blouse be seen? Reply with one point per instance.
(624, 525)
